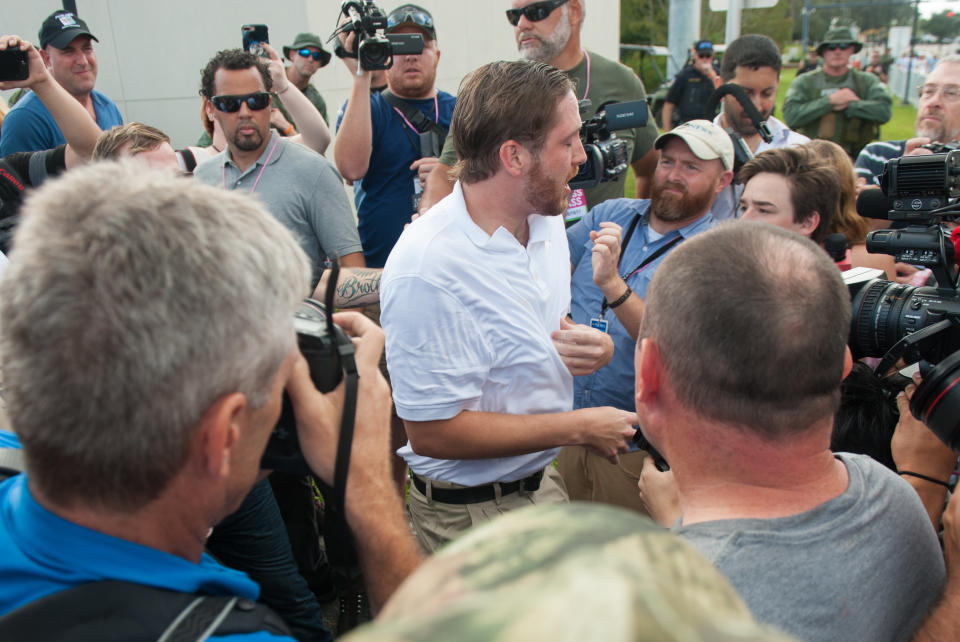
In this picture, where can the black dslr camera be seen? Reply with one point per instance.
(606, 154)
(919, 324)
(375, 50)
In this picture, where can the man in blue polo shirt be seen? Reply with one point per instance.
(610, 278)
(67, 49)
(379, 144)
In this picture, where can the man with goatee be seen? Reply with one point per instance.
(615, 250)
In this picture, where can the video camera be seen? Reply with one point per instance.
(606, 154)
(375, 50)
(919, 324)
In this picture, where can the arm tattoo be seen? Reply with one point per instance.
(358, 286)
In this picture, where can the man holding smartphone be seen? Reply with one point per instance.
(66, 46)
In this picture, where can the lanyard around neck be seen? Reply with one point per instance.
(223, 168)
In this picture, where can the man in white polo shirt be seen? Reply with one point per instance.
(475, 296)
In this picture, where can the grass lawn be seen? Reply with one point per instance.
(900, 126)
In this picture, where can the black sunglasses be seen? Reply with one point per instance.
(835, 46)
(230, 104)
(306, 53)
(534, 12)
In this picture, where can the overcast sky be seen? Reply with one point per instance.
(930, 7)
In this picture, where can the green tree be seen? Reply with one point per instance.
(943, 25)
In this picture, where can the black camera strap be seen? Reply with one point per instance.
(416, 117)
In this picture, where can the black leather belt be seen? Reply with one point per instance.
(477, 494)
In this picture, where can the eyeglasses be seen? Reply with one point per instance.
(230, 104)
(534, 12)
(950, 93)
(306, 53)
(419, 18)
(835, 46)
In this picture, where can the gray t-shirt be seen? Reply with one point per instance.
(865, 565)
(302, 189)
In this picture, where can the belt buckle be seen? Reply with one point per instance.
(531, 484)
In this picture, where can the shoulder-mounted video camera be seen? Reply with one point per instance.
(374, 50)
(606, 154)
(917, 324)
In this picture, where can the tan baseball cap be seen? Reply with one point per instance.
(706, 140)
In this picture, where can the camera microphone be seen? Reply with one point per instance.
(839, 250)
(871, 203)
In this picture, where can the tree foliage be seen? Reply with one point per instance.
(942, 25)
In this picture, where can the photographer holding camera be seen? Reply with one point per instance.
(147, 338)
(938, 121)
(388, 142)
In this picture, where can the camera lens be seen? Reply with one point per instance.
(876, 317)
(375, 53)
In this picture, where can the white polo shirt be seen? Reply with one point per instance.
(467, 318)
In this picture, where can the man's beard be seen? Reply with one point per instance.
(545, 195)
(672, 208)
(247, 143)
(551, 46)
(938, 132)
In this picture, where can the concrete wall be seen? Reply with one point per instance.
(150, 53)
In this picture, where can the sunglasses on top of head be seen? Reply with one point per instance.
(230, 104)
(412, 16)
(534, 12)
(306, 53)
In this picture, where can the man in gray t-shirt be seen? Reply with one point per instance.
(742, 351)
(300, 188)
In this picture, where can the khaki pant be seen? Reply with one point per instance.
(436, 523)
(590, 477)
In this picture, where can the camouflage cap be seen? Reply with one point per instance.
(562, 572)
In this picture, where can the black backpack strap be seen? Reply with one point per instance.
(189, 160)
(414, 115)
(114, 611)
(11, 462)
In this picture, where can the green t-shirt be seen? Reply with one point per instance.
(609, 81)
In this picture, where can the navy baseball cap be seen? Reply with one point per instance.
(704, 46)
(61, 27)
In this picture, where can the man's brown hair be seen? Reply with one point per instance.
(504, 101)
(140, 137)
(814, 184)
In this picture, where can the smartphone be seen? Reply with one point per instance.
(406, 43)
(13, 65)
(253, 36)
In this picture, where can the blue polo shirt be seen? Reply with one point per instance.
(30, 127)
(41, 554)
(613, 384)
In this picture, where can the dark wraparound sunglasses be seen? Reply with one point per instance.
(410, 16)
(230, 104)
(836, 46)
(534, 12)
(306, 53)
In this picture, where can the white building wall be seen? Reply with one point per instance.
(150, 53)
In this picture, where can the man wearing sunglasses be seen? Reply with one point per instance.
(299, 187)
(938, 121)
(836, 102)
(549, 31)
(306, 56)
(691, 88)
(383, 145)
